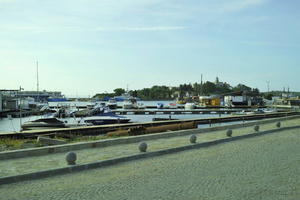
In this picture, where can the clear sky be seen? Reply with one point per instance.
(88, 46)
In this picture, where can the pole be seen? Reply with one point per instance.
(201, 87)
(37, 79)
(20, 107)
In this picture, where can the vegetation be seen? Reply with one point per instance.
(12, 144)
(183, 90)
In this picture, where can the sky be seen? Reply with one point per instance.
(84, 47)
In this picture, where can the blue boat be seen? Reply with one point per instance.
(102, 115)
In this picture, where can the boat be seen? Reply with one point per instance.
(189, 106)
(125, 97)
(173, 105)
(112, 103)
(102, 116)
(141, 106)
(43, 123)
(244, 112)
(103, 120)
(163, 118)
(91, 105)
(160, 105)
(130, 103)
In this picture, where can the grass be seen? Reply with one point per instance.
(13, 144)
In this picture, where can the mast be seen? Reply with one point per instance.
(37, 80)
(201, 87)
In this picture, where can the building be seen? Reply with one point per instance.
(209, 100)
(13, 99)
(41, 95)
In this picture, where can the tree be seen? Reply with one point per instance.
(209, 88)
(242, 87)
(119, 91)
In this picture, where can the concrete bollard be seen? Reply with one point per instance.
(229, 132)
(193, 138)
(71, 158)
(278, 124)
(143, 147)
(256, 128)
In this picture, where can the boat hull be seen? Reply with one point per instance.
(106, 121)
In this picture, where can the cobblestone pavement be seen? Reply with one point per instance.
(266, 167)
(39, 163)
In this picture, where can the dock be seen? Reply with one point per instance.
(174, 111)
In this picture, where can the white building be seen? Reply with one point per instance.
(237, 100)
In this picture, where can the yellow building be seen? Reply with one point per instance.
(210, 101)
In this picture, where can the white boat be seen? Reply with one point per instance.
(130, 103)
(112, 103)
(141, 106)
(189, 106)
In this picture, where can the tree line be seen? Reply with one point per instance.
(183, 90)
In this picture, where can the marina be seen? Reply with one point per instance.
(102, 129)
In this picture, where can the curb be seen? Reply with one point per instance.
(109, 162)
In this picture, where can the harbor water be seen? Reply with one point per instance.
(14, 124)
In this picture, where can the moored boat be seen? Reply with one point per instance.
(189, 106)
(130, 103)
(160, 105)
(44, 123)
(112, 103)
(103, 115)
(173, 105)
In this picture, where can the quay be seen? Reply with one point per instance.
(103, 129)
(166, 108)
(248, 159)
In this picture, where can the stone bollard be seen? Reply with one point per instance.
(193, 138)
(229, 133)
(71, 158)
(256, 128)
(143, 147)
(278, 124)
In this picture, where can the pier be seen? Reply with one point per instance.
(174, 111)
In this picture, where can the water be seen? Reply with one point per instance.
(13, 125)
